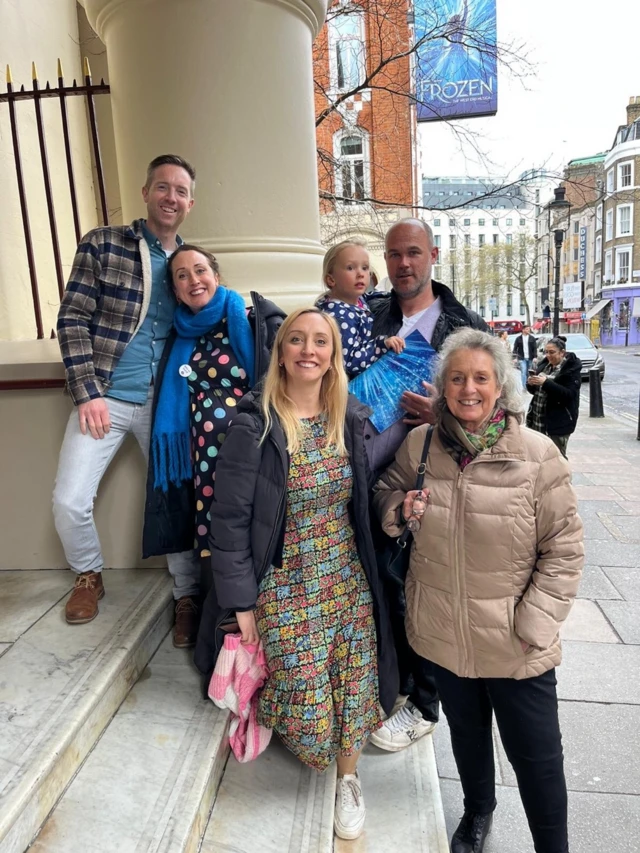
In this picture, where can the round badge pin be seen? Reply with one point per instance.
(184, 370)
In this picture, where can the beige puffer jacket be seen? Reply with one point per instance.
(498, 556)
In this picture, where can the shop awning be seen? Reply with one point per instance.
(597, 308)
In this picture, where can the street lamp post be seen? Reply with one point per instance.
(559, 205)
(558, 238)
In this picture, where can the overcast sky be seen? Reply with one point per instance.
(586, 65)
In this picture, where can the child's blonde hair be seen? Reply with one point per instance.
(331, 257)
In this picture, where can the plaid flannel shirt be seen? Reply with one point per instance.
(104, 305)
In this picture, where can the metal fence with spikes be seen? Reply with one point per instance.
(87, 90)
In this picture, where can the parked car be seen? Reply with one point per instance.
(588, 353)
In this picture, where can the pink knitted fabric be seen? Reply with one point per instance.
(240, 673)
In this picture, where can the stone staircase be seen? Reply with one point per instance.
(106, 745)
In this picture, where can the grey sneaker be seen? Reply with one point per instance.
(402, 729)
(350, 812)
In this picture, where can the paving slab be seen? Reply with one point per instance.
(4, 647)
(27, 595)
(594, 584)
(601, 748)
(631, 507)
(596, 493)
(592, 509)
(624, 527)
(587, 623)
(597, 822)
(595, 528)
(599, 552)
(625, 618)
(599, 672)
(626, 582)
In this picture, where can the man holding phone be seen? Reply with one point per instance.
(525, 348)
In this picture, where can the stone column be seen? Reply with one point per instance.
(227, 84)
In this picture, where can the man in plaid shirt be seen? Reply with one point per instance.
(114, 320)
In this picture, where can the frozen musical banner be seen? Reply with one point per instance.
(382, 385)
(456, 59)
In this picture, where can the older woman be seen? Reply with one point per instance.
(293, 559)
(494, 569)
(556, 393)
(217, 353)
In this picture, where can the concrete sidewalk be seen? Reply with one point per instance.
(599, 680)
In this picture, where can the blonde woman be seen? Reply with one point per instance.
(293, 560)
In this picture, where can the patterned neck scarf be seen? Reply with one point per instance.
(464, 445)
(537, 414)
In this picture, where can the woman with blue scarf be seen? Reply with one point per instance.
(217, 353)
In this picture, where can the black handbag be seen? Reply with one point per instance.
(400, 551)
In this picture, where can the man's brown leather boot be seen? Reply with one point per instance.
(185, 630)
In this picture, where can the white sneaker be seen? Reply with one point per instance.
(402, 729)
(350, 812)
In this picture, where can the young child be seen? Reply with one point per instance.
(346, 274)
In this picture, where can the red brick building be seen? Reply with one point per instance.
(365, 119)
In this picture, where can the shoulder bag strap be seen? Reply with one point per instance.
(422, 468)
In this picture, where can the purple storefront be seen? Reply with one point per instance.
(620, 318)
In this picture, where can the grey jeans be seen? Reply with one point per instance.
(83, 461)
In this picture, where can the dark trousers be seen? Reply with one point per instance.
(527, 716)
(417, 680)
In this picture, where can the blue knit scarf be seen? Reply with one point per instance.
(171, 438)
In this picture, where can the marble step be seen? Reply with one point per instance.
(60, 685)
(276, 805)
(149, 784)
(404, 805)
(272, 805)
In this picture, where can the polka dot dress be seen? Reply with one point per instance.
(216, 384)
(359, 348)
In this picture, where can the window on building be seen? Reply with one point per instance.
(495, 223)
(575, 254)
(608, 265)
(452, 241)
(481, 310)
(437, 241)
(436, 223)
(467, 222)
(452, 223)
(467, 239)
(496, 239)
(610, 181)
(623, 260)
(599, 218)
(597, 282)
(509, 238)
(523, 307)
(481, 223)
(480, 239)
(598, 250)
(346, 39)
(625, 175)
(509, 222)
(523, 222)
(576, 227)
(351, 170)
(436, 272)
(625, 217)
(509, 304)
(609, 225)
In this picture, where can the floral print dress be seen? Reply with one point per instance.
(216, 384)
(315, 615)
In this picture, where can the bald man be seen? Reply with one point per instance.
(415, 303)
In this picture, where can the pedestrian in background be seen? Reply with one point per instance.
(525, 348)
(556, 393)
(494, 569)
(293, 558)
(504, 339)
